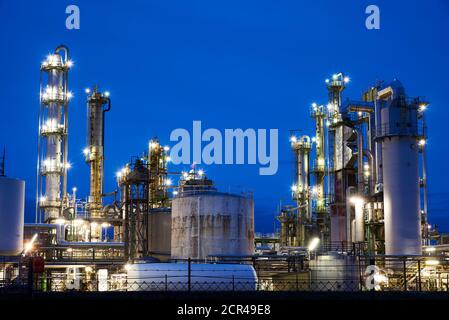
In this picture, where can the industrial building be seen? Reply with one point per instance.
(359, 192)
(362, 176)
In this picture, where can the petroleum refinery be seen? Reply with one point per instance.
(358, 221)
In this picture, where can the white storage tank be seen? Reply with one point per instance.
(159, 233)
(203, 277)
(212, 223)
(12, 203)
(334, 272)
(399, 134)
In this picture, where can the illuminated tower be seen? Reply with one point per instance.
(52, 163)
(319, 170)
(340, 153)
(94, 152)
(157, 165)
(300, 189)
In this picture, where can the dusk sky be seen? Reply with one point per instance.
(231, 64)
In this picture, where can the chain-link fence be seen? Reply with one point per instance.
(325, 272)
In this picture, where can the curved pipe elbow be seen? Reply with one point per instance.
(65, 49)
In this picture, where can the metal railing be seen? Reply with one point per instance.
(320, 272)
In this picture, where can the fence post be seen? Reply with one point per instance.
(297, 284)
(189, 274)
(97, 281)
(419, 275)
(166, 282)
(30, 276)
(360, 274)
(405, 275)
(372, 261)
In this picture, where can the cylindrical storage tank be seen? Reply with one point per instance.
(212, 223)
(399, 134)
(334, 272)
(12, 203)
(401, 196)
(203, 277)
(159, 232)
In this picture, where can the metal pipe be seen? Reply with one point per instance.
(104, 118)
(66, 122)
(424, 186)
(377, 144)
(360, 160)
(38, 187)
(370, 157)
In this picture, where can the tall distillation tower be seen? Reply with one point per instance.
(143, 187)
(94, 152)
(340, 155)
(319, 171)
(157, 163)
(53, 163)
(401, 137)
(301, 194)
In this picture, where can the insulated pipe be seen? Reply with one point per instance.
(424, 187)
(378, 144)
(104, 111)
(360, 160)
(370, 157)
(359, 221)
(66, 121)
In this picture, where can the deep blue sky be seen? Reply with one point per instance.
(231, 64)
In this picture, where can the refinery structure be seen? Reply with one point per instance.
(359, 195)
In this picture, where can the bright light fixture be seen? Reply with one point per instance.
(313, 244)
(60, 221)
(432, 262)
(29, 245)
(356, 200)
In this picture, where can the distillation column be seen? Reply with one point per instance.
(319, 171)
(399, 135)
(341, 154)
(94, 151)
(157, 165)
(301, 194)
(53, 145)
